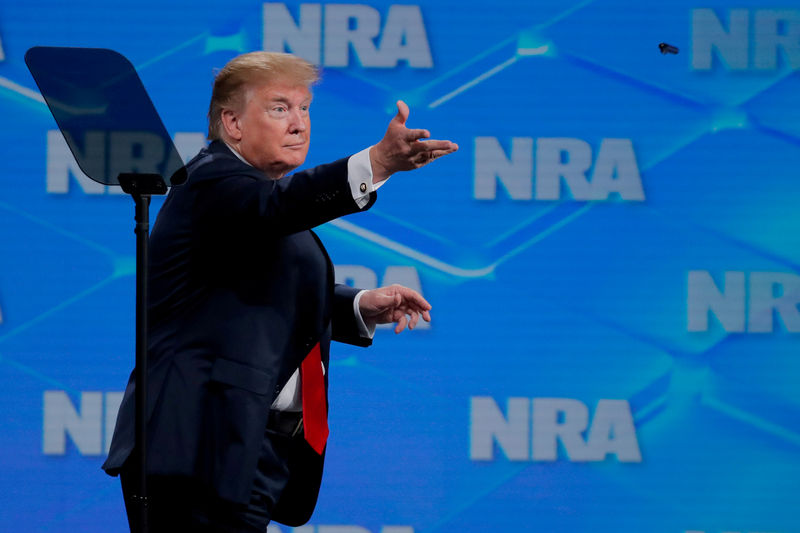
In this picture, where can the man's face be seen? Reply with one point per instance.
(274, 127)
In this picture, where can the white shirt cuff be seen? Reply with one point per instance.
(365, 331)
(359, 174)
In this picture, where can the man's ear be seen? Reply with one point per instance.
(231, 124)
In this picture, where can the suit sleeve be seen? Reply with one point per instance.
(280, 207)
(345, 326)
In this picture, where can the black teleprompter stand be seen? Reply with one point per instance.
(118, 139)
(141, 187)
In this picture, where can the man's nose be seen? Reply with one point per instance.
(297, 121)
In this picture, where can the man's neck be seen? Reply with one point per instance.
(237, 154)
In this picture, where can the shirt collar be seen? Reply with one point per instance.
(237, 154)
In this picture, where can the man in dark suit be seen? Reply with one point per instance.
(243, 307)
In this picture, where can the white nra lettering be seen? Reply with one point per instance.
(61, 164)
(561, 163)
(744, 303)
(753, 40)
(89, 427)
(531, 430)
(365, 278)
(327, 36)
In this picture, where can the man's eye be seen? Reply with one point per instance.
(279, 109)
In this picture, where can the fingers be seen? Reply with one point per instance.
(412, 135)
(397, 304)
(412, 298)
(423, 152)
(423, 158)
(434, 145)
(411, 318)
(414, 319)
(448, 149)
(440, 153)
(403, 148)
(402, 112)
(401, 324)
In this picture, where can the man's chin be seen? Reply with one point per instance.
(280, 169)
(293, 158)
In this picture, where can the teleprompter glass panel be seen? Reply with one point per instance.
(104, 113)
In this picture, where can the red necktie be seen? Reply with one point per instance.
(315, 410)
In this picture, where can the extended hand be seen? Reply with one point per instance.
(402, 149)
(394, 303)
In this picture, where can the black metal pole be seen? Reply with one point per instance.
(142, 244)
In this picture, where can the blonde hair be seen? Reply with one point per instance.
(242, 72)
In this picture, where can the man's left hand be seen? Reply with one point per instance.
(403, 149)
(394, 303)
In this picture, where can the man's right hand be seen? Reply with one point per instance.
(394, 303)
(402, 149)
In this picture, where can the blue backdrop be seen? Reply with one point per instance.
(612, 258)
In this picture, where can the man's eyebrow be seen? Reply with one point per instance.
(286, 100)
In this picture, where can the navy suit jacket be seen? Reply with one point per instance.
(240, 290)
